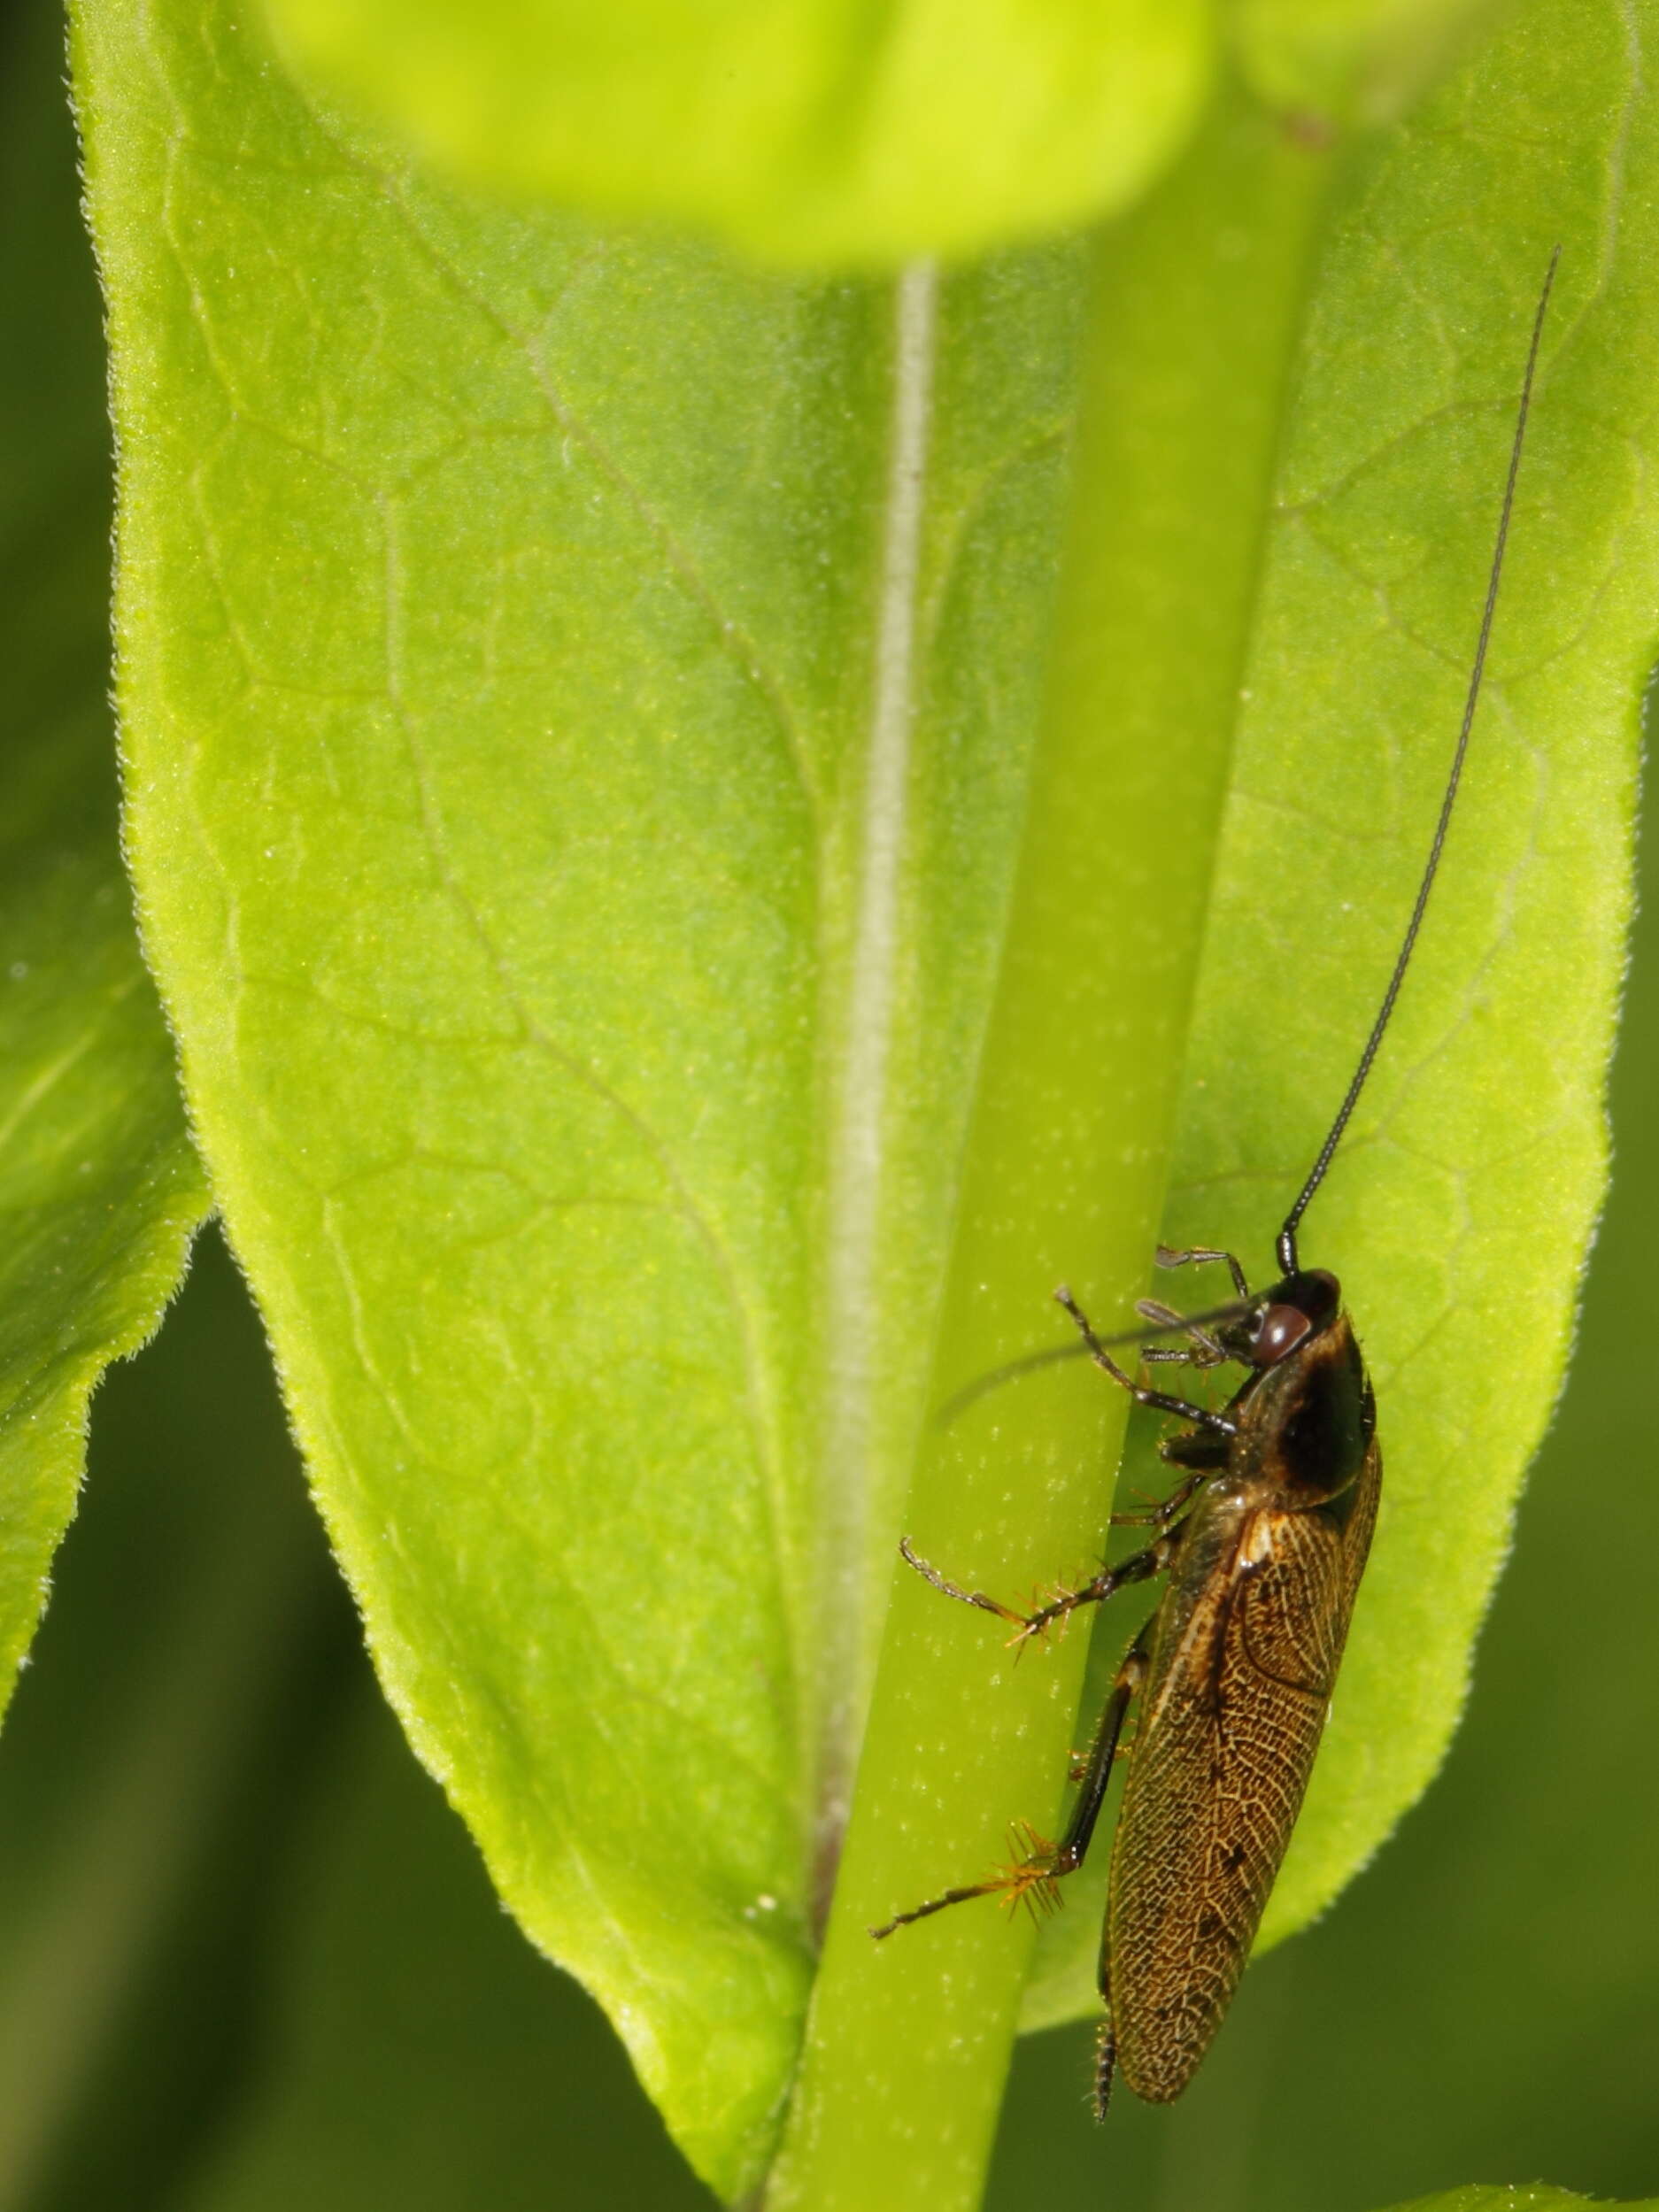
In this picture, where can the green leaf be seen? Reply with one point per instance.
(499, 607)
(99, 1189)
(581, 694)
(1458, 1211)
(803, 130)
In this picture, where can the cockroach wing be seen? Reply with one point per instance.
(1237, 1688)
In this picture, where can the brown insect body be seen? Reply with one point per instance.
(1264, 1543)
(1241, 1662)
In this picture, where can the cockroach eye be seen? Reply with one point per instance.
(1283, 1329)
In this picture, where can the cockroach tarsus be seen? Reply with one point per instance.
(1263, 1542)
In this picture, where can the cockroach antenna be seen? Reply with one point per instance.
(1232, 1672)
(1327, 1151)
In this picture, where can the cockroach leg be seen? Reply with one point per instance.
(952, 1589)
(1072, 1849)
(1202, 1351)
(1038, 1865)
(1077, 1762)
(1139, 1567)
(1161, 1399)
(1162, 1511)
(1029, 1876)
(1201, 1454)
(1130, 1677)
(1203, 1255)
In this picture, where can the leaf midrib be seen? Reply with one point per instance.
(859, 1075)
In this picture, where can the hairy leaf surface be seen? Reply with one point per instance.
(99, 1189)
(522, 628)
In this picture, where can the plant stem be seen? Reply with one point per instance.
(1196, 313)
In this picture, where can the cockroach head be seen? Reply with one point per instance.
(1295, 1309)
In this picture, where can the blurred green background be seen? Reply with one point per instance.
(248, 1960)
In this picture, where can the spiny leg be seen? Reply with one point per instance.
(1160, 1399)
(1197, 1449)
(1105, 2067)
(1138, 1567)
(1132, 1673)
(1033, 1877)
(948, 1589)
(1074, 1844)
(1200, 1453)
(1163, 1511)
(1077, 1765)
(1202, 1351)
(1031, 1874)
(1203, 1255)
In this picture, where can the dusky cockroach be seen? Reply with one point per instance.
(1263, 1542)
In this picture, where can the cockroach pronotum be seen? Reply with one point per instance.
(1263, 1542)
